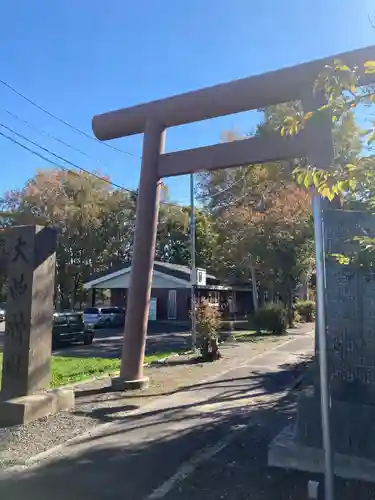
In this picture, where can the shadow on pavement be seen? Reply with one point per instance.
(270, 382)
(141, 451)
(108, 414)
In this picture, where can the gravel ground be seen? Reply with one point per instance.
(24, 441)
(96, 404)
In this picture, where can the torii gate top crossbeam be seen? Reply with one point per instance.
(240, 95)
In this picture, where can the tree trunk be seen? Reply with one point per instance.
(254, 284)
(289, 304)
(290, 309)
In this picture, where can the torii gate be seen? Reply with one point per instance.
(152, 119)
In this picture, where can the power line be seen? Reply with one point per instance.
(47, 134)
(259, 206)
(36, 153)
(79, 151)
(63, 121)
(221, 191)
(48, 151)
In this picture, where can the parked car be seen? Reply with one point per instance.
(103, 317)
(2, 314)
(69, 327)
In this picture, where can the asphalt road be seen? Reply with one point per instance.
(204, 441)
(108, 342)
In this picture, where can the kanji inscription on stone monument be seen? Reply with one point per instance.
(350, 307)
(30, 252)
(29, 259)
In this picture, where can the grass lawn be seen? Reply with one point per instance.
(67, 370)
(244, 333)
(253, 336)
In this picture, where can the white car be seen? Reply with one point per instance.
(96, 317)
(2, 315)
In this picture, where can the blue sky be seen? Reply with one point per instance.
(77, 59)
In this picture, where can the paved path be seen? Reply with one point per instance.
(166, 448)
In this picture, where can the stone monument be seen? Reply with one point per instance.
(350, 320)
(30, 256)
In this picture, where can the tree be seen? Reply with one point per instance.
(276, 240)
(350, 175)
(263, 219)
(174, 240)
(95, 224)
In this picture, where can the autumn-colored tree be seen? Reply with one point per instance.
(95, 224)
(264, 220)
(275, 238)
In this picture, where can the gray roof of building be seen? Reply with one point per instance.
(175, 270)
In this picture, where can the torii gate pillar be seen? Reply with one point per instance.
(136, 321)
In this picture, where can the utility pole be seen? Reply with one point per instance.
(193, 268)
(260, 207)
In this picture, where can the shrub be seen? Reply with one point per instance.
(208, 324)
(306, 309)
(271, 318)
(296, 315)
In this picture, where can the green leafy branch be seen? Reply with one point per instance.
(364, 257)
(344, 92)
(335, 181)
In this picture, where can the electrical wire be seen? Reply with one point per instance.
(203, 197)
(79, 151)
(79, 131)
(43, 148)
(259, 206)
(210, 196)
(47, 134)
(36, 153)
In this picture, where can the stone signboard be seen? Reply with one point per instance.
(350, 335)
(28, 327)
(30, 257)
(350, 309)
